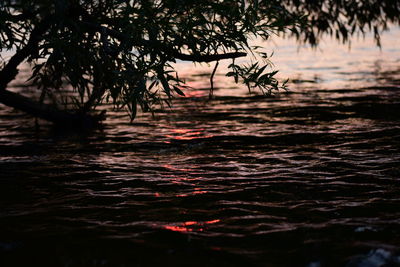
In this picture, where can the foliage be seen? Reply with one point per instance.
(342, 18)
(122, 50)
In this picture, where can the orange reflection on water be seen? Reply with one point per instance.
(181, 131)
(190, 226)
(173, 168)
(197, 191)
(187, 134)
(190, 223)
(179, 229)
(213, 221)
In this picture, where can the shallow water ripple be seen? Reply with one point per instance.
(304, 178)
(230, 184)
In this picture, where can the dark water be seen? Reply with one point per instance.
(309, 178)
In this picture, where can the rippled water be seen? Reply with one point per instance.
(308, 178)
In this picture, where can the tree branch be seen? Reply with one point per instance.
(49, 112)
(187, 57)
(10, 70)
(208, 58)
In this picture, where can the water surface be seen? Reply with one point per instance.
(305, 178)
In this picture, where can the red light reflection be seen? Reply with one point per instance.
(187, 134)
(190, 223)
(190, 226)
(213, 221)
(196, 191)
(178, 229)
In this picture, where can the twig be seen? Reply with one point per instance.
(212, 80)
(10, 70)
(209, 58)
(146, 43)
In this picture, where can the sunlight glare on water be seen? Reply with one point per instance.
(329, 66)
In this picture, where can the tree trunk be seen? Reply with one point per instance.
(47, 112)
(50, 113)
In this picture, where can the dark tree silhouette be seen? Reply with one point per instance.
(342, 18)
(121, 51)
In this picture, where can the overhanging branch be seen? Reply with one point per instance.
(147, 43)
(10, 70)
(209, 58)
(48, 112)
